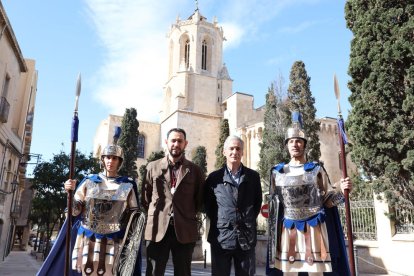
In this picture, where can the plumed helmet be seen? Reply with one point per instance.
(113, 149)
(296, 130)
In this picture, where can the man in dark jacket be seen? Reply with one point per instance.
(233, 197)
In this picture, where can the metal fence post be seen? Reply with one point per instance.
(356, 260)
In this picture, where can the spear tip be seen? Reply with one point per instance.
(78, 90)
(78, 85)
(337, 93)
(336, 87)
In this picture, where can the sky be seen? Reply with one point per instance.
(120, 49)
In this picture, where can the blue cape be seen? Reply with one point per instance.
(55, 261)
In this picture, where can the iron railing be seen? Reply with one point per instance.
(364, 226)
(405, 223)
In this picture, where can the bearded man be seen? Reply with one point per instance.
(172, 196)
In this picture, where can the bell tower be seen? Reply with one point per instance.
(197, 83)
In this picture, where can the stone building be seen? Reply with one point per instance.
(18, 87)
(198, 95)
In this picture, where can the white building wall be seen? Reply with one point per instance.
(201, 130)
(18, 86)
(330, 149)
(105, 131)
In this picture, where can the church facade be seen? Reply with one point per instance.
(198, 95)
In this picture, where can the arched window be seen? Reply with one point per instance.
(187, 54)
(204, 55)
(141, 146)
(171, 59)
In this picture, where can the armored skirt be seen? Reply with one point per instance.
(300, 242)
(311, 252)
(105, 204)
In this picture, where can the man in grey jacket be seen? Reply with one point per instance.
(233, 197)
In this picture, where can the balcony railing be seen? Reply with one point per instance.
(16, 211)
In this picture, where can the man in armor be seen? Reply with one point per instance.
(305, 231)
(102, 207)
(105, 200)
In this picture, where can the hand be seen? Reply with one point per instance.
(346, 183)
(70, 184)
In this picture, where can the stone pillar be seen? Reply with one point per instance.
(385, 227)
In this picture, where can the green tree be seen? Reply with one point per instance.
(361, 188)
(50, 199)
(272, 148)
(381, 122)
(200, 157)
(129, 143)
(143, 169)
(224, 133)
(301, 99)
(35, 218)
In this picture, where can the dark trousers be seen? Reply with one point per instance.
(158, 254)
(244, 261)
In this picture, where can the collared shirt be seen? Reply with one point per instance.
(235, 177)
(174, 171)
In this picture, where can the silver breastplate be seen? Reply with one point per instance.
(104, 208)
(299, 192)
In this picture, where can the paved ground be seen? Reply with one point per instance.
(19, 263)
(22, 263)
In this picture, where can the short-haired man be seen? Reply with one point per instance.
(233, 197)
(172, 196)
(305, 231)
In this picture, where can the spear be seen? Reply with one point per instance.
(342, 142)
(74, 139)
